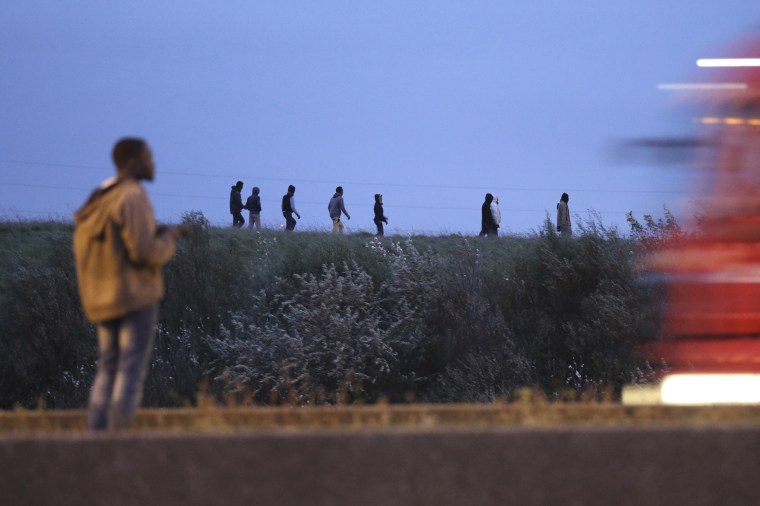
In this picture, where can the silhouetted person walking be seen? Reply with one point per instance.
(496, 214)
(563, 216)
(379, 216)
(289, 208)
(236, 205)
(119, 254)
(488, 225)
(253, 204)
(335, 207)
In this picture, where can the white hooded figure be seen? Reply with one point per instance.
(495, 212)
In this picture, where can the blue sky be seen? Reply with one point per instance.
(430, 103)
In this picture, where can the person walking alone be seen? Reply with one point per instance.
(488, 226)
(119, 253)
(289, 208)
(236, 205)
(335, 207)
(563, 216)
(253, 204)
(496, 213)
(380, 218)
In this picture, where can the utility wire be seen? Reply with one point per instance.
(355, 183)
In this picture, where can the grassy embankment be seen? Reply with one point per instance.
(312, 319)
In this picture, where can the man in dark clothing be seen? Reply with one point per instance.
(289, 208)
(489, 227)
(379, 216)
(253, 204)
(563, 216)
(236, 205)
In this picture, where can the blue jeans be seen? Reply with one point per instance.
(125, 346)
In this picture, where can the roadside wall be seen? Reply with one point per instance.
(630, 466)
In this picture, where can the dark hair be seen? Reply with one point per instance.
(127, 149)
(291, 189)
(239, 184)
(565, 197)
(377, 197)
(338, 189)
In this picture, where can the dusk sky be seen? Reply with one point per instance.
(431, 103)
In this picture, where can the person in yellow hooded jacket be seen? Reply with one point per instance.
(120, 252)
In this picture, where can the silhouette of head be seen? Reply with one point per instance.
(133, 157)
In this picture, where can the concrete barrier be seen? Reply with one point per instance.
(440, 466)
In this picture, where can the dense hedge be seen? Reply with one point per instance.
(312, 318)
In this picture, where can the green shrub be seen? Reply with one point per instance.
(46, 344)
(206, 283)
(329, 341)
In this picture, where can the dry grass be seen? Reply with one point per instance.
(530, 410)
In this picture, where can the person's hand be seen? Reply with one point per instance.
(298, 215)
(348, 217)
(386, 221)
(176, 232)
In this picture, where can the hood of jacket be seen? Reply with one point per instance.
(93, 216)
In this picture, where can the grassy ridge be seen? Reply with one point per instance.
(308, 318)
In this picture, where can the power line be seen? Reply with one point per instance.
(50, 164)
(303, 202)
(355, 183)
